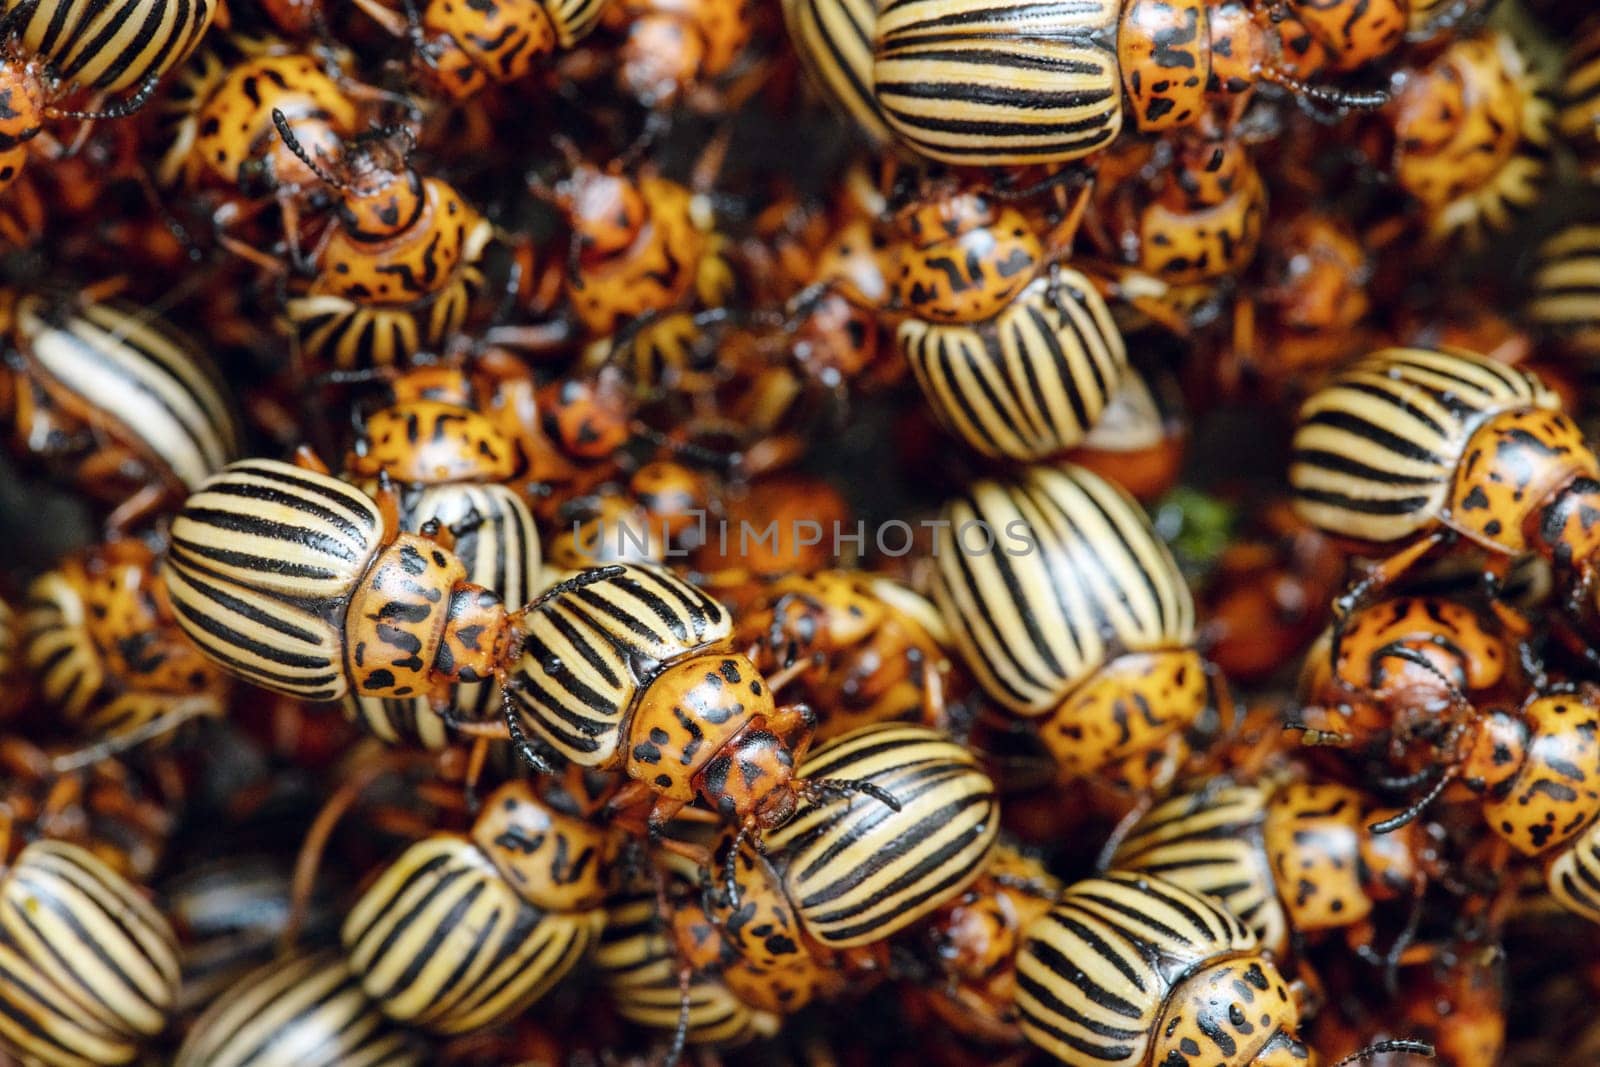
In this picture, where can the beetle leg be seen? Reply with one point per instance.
(1377, 578)
(320, 832)
(1120, 832)
(934, 713)
(680, 1036)
(306, 458)
(135, 508)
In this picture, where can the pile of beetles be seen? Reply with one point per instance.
(799, 533)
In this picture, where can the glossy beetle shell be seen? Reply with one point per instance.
(442, 941)
(590, 655)
(1029, 383)
(857, 871)
(1075, 572)
(88, 967)
(1210, 843)
(303, 1011)
(1127, 970)
(833, 39)
(263, 562)
(1564, 288)
(112, 46)
(1380, 446)
(984, 85)
(111, 376)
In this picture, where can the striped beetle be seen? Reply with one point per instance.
(1071, 612)
(1282, 857)
(833, 41)
(306, 1010)
(1410, 450)
(99, 635)
(1030, 382)
(113, 399)
(640, 967)
(463, 932)
(1563, 299)
(960, 80)
(451, 444)
(88, 967)
(109, 46)
(805, 910)
(1128, 970)
(1578, 120)
(1015, 353)
(397, 269)
(299, 583)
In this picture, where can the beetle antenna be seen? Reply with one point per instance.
(680, 1035)
(1390, 825)
(730, 882)
(293, 143)
(582, 580)
(1341, 99)
(119, 110)
(1378, 1048)
(519, 740)
(820, 789)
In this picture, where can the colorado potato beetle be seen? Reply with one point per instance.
(1029, 383)
(805, 911)
(1410, 449)
(462, 932)
(462, 48)
(114, 399)
(1396, 677)
(55, 49)
(1187, 214)
(833, 40)
(636, 242)
(872, 649)
(970, 946)
(1283, 857)
(1563, 298)
(1134, 971)
(88, 966)
(300, 583)
(627, 667)
(306, 1010)
(961, 81)
(639, 964)
(397, 270)
(1071, 612)
(449, 450)
(224, 146)
(98, 633)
